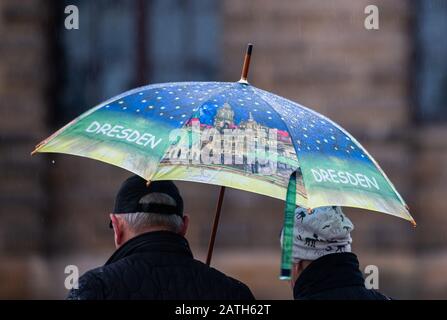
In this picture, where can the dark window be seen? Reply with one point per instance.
(122, 44)
(431, 78)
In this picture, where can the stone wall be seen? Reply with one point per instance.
(23, 110)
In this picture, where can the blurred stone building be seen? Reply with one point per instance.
(387, 87)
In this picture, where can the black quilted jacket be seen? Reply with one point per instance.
(157, 265)
(334, 276)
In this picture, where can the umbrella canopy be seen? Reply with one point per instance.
(235, 135)
(230, 134)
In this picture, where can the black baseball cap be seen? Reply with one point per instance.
(135, 188)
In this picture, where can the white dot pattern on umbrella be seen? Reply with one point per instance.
(175, 103)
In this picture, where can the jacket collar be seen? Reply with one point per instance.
(331, 271)
(156, 241)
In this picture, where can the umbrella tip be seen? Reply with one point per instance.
(413, 222)
(246, 65)
(249, 47)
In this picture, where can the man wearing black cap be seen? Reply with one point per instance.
(153, 259)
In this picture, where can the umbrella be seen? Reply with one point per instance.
(232, 135)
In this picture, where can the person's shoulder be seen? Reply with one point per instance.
(90, 286)
(239, 289)
(243, 290)
(110, 273)
(99, 283)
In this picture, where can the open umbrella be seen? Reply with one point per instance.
(232, 135)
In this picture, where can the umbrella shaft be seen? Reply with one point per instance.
(215, 225)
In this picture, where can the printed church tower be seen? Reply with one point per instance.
(224, 117)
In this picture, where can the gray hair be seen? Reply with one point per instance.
(139, 221)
